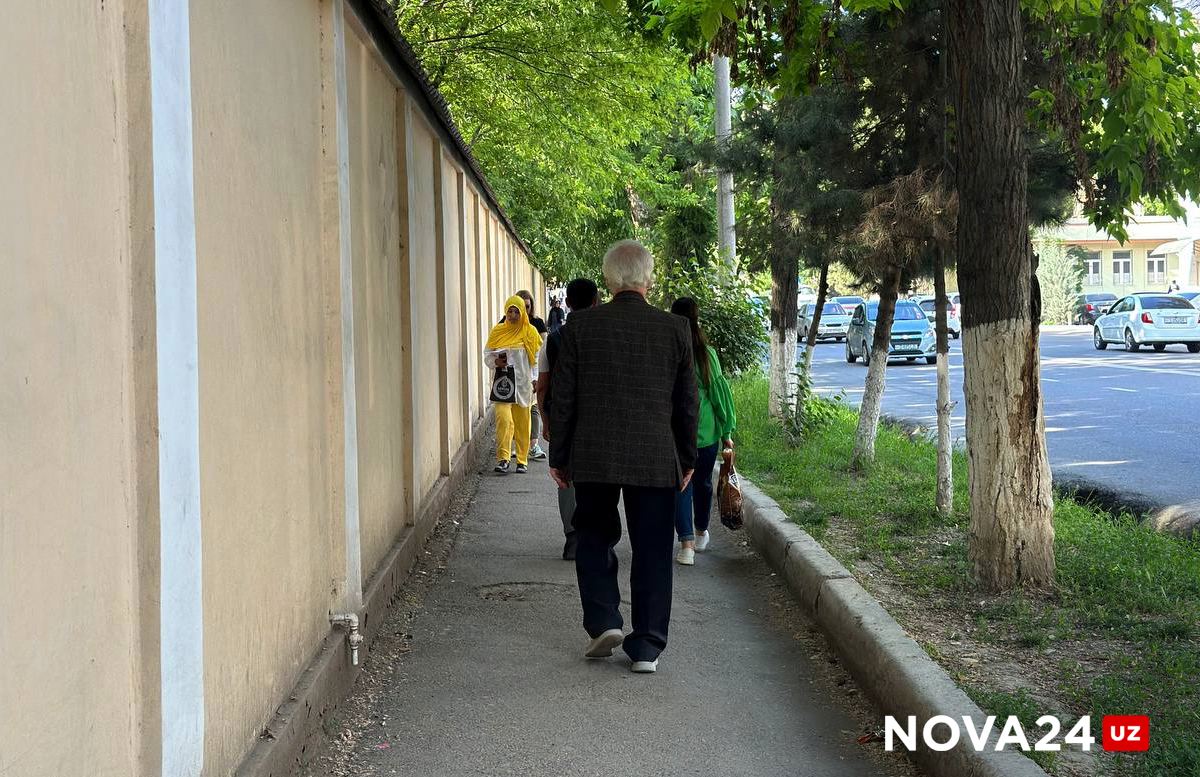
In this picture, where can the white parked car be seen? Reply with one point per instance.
(834, 321)
(953, 323)
(1157, 320)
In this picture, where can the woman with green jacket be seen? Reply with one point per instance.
(717, 421)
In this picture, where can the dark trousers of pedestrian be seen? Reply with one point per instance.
(649, 520)
(693, 505)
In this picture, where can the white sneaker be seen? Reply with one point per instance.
(686, 556)
(603, 645)
(702, 541)
(645, 667)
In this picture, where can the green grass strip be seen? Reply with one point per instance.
(1127, 591)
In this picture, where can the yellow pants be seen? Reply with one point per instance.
(512, 425)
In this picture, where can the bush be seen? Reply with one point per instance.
(1060, 274)
(731, 321)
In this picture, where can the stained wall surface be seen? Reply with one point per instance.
(428, 315)
(347, 269)
(265, 477)
(68, 475)
(379, 288)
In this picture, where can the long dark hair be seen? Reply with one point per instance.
(687, 307)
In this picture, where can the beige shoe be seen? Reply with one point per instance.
(603, 645)
(702, 541)
(686, 556)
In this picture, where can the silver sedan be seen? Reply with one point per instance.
(834, 321)
(1157, 320)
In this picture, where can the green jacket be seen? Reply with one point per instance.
(717, 417)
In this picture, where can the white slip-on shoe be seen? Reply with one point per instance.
(645, 667)
(686, 556)
(603, 645)
(702, 541)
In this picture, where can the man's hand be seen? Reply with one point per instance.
(726, 444)
(687, 478)
(560, 477)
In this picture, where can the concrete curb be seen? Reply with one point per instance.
(889, 665)
(329, 677)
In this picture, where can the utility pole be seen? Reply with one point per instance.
(727, 239)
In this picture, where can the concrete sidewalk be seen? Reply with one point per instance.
(480, 671)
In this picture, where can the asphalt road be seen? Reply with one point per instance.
(1126, 421)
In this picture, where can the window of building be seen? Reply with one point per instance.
(1156, 269)
(1091, 266)
(1123, 268)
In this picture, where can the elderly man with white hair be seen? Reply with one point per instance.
(623, 424)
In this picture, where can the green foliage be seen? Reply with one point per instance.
(1114, 86)
(688, 233)
(1060, 275)
(1121, 87)
(811, 414)
(555, 98)
(731, 322)
(1124, 591)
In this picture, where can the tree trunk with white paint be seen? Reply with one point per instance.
(783, 368)
(785, 288)
(872, 401)
(945, 457)
(1011, 542)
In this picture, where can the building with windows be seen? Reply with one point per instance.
(1158, 250)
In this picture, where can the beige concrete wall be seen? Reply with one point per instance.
(264, 460)
(381, 385)
(424, 155)
(75, 680)
(78, 391)
(500, 282)
(472, 301)
(454, 294)
(471, 283)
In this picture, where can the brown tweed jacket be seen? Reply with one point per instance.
(625, 405)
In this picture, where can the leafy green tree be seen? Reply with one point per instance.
(1060, 277)
(1116, 85)
(730, 321)
(554, 98)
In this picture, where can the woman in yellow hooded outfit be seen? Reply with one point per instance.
(511, 352)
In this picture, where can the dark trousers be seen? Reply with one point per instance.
(649, 518)
(693, 506)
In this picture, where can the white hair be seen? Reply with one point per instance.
(628, 265)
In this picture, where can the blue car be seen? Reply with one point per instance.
(912, 335)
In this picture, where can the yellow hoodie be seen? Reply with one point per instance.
(518, 335)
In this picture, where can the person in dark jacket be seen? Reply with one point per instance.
(556, 316)
(623, 421)
(581, 295)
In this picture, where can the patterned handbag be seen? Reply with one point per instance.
(504, 386)
(729, 493)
